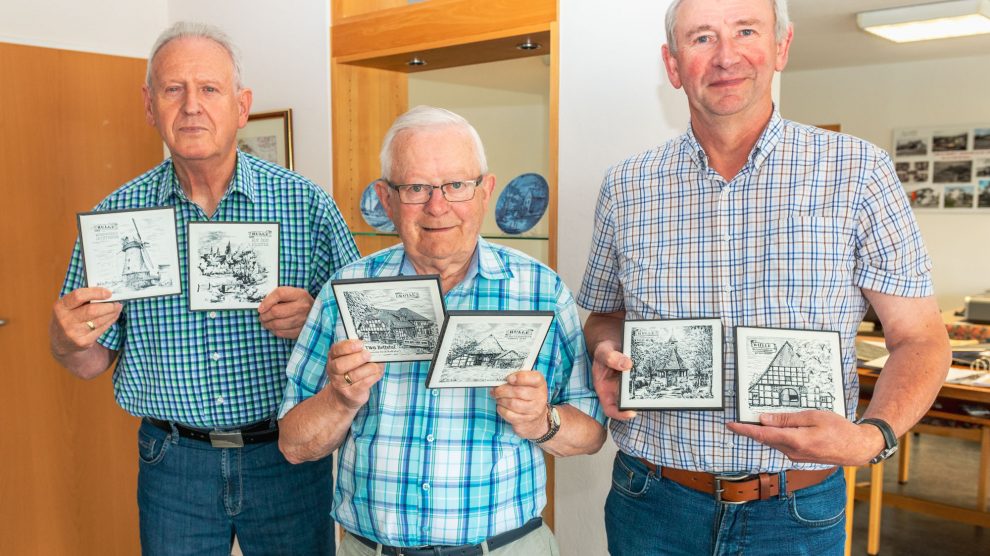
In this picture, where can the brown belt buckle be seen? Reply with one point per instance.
(226, 439)
(729, 479)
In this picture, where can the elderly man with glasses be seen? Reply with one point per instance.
(451, 471)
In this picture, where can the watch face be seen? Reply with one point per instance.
(554, 416)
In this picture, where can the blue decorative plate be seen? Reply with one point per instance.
(522, 203)
(372, 211)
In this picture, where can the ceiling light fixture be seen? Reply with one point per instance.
(416, 61)
(924, 22)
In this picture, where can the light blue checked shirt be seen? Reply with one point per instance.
(789, 242)
(425, 467)
(218, 368)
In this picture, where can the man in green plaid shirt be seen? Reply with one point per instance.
(208, 383)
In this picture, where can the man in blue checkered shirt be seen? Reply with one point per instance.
(756, 221)
(454, 470)
(208, 383)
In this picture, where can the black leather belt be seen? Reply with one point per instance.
(498, 541)
(255, 433)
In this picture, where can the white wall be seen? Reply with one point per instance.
(286, 56)
(615, 101)
(118, 27)
(870, 101)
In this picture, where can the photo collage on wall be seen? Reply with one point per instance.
(945, 167)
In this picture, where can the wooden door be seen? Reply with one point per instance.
(72, 129)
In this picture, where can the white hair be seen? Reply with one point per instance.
(182, 29)
(783, 21)
(422, 118)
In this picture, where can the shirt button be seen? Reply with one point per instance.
(727, 288)
(212, 314)
(436, 392)
(215, 356)
(729, 444)
(426, 487)
(727, 237)
(429, 438)
(219, 400)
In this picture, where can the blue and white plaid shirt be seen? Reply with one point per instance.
(218, 369)
(425, 467)
(811, 219)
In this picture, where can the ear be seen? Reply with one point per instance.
(384, 197)
(244, 99)
(487, 187)
(783, 48)
(149, 113)
(670, 64)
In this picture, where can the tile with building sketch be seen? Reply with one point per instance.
(785, 370)
(232, 265)
(133, 253)
(482, 348)
(677, 364)
(397, 318)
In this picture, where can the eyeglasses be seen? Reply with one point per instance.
(420, 193)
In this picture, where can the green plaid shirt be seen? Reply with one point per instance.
(218, 369)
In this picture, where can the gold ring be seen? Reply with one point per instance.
(347, 378)
(90, 324)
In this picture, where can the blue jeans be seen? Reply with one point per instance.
(193, 498)
(646, 514)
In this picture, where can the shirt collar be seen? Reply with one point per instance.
(767, 141)
(485, 263)
(241, 182)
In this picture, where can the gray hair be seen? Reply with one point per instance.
(182, 29)
(428, 117)
(779, 12)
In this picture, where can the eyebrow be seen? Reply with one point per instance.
(737, 23)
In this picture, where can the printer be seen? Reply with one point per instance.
(977, 308)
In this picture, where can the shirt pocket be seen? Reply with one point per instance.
(808, 268)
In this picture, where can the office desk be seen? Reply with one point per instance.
(951, 396)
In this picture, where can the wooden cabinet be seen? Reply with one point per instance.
(373, 82)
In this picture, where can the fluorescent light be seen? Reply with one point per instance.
(924, 22)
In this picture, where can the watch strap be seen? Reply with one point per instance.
(554, 427)
(889, 438)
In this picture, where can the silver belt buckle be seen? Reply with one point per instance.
(729, 479)
(226, 439)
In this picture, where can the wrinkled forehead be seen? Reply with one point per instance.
(193, 57)
(691, 16)
(435, 153)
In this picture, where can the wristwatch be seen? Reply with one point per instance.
(889, 438)
(553, 419)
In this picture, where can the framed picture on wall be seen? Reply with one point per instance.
(268, 136)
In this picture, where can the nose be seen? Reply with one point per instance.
(727, 54)
(190, 104)
(437, 204)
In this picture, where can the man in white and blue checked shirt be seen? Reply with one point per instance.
(756, 221)
(192, 375)
(454, 470)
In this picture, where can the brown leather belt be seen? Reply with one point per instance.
(739, 489)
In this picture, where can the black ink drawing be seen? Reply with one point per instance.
(233, 265)
(397, 319)
(788, 370)
(132, 253)
(483, 348)
(677, 364)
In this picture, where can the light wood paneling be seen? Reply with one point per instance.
(341, 9)
(71, 130)
(436, 24)
(365, 102)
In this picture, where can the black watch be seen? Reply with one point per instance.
(889, 438)
(553, 419)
